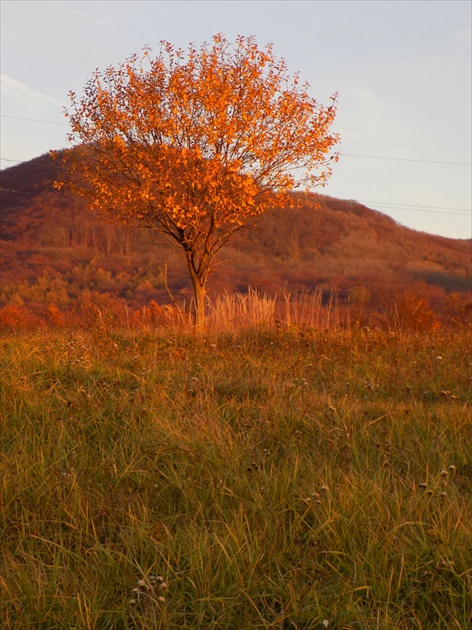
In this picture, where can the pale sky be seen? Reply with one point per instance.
(402, 69)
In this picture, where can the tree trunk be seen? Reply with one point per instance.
(199, 290)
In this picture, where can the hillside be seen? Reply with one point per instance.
(53, 249)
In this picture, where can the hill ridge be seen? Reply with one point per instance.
(48, 236)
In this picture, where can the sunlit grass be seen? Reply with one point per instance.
(268, 479)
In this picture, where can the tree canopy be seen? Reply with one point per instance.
(197, 144)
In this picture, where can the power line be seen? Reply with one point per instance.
(354, 155)
(382, 157)
(23, 162)
(385, 205)
(49, 122)
(381, 205)
(412, 206)
(415, 205)
(395, 209)
(21, 192)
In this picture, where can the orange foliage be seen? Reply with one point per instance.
(414, 313)
(18, 318)
(197, 145)
(100, 310)
(54, 316)
(153, 314)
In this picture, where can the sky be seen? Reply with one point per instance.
(402, 69)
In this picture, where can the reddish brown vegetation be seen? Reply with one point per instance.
(61, 265)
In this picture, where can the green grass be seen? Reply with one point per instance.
(273, 479)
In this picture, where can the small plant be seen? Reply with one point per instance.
(149, 589)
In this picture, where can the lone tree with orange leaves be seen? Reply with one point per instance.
(197, 144)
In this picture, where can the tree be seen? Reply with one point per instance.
(196, 145)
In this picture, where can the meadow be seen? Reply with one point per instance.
(270, 477)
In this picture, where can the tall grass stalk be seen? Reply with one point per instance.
(254, 310)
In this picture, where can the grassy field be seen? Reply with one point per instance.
(278, 479)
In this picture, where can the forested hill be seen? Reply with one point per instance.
(53, 248)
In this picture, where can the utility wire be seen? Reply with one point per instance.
(20, 192)
(383, 157)
(24, 161)
(394, 209)
(354, 155)
(49, 122)
(385, 205)
(412, 206)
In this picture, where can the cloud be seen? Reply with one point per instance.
(17, 89)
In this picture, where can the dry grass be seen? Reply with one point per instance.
(259, 479)
(232, 313)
